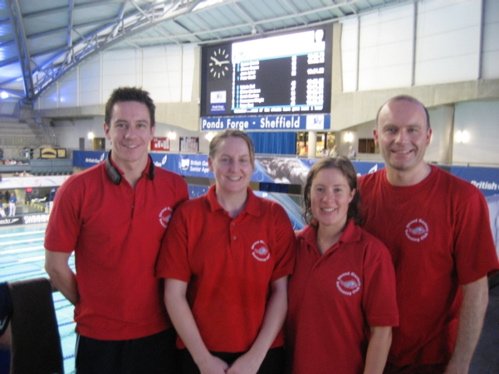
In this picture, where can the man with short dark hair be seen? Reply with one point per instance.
(113, 216)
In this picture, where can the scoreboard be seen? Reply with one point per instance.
(283, 74)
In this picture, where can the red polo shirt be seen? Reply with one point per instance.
(229, 264)
(115, 231)
(438, 233)
(334, 299)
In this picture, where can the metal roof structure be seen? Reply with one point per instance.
(42, 40)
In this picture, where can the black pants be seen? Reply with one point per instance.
(273, 362)
(153, 354)
(415, 369)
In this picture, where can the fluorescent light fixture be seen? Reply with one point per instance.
(462, 136)
(348, 137)
(209, 136)
(206, 4)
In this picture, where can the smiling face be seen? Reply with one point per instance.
(403, 134)
(232, 165)
(330, 196)
(130, 133)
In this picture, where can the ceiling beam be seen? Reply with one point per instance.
(293, 8)
(75, 26)
(109, 34)
(244, 14)
(63, 8)
(24, 57)
(9, 61)
(69, 39)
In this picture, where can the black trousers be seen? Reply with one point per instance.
(155, 354)
(415, 369)
(273, 362)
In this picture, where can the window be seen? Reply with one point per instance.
(367, 146)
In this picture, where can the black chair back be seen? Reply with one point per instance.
(36, 344)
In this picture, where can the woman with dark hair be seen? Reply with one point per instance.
(342, 302)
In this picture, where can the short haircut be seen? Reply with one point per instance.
(408, 98)
(219, 137)
(123, 94)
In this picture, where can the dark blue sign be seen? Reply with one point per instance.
(85, 159)
(485, 179)
(285, 122)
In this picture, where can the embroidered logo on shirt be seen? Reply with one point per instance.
(164, 216)
(348, 283)
(417, 230)
(260, 251)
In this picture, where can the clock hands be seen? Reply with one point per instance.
(215, 60)
(219, 63)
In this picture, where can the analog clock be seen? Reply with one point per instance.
(219, 63)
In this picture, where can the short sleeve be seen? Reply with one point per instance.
(380, 300)
(474, 253)
(173, 255)
(285, 243)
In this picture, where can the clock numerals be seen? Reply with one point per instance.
(219, 63)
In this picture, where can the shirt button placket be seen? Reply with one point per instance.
(233, 231)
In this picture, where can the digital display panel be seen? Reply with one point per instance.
(288, 73)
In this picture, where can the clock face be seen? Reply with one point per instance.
(219, 63)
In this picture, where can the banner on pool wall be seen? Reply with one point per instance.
(85, 159)
(286, 170)
(24, 219)
(274, 173)
(485, 179)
